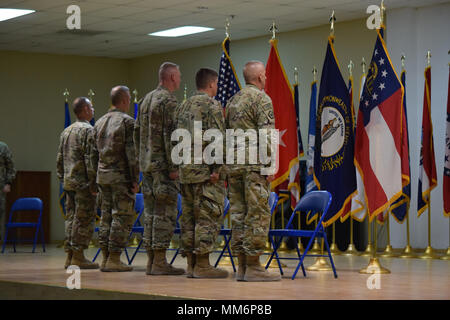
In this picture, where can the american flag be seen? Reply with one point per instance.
(228, 83)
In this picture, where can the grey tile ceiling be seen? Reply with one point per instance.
(119, 28)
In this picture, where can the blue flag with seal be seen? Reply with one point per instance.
(228, 83)
(334, 169)
(62, 193)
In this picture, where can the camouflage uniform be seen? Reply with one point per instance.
(203, 201)
(7, 175)
(73, 170)
(152, 136)
(248, 190)
(114, 159)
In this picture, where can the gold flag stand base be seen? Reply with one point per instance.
(429, 254)
(268, 248)
(283, 247)
(226, 262)
(388, 252)
(93, 244)
(374, 267)
(274, 263)
(315, 249)
(334, 249)
(135, 243)
(408, 253)
(321, 264)
(447, 255)
(351, 251)
(369, 251)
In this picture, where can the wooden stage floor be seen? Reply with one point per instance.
(24, 275)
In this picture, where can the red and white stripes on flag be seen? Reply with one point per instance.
(378, 134)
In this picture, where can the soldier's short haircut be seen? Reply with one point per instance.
(204, 76)
(165, 69)
(118, 94)
(249, 71)
(79, 103)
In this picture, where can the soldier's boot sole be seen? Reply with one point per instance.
(209, 273)
(115, 265)
(166, 269)
(85, 264)
(259, 274)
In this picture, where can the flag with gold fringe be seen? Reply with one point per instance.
(378, 135)
(280, 91)
(228, 83)
(334, 170)
(400, 208)
(446, 187)
(427, 169)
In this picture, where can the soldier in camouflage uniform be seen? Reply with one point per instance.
(7, 175)
(78, 180)
(153, 128)
(202, 185)
(114, 160)
(249, 191)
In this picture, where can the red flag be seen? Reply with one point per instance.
(447, 158)
(427, 174)
(280, 91)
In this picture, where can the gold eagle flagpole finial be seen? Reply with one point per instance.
(314, 71)
(332, 21)
(403, 57)
(351, 65)
(296, 75)
(428, 58)
(66, 94)
(273, 28)
(227, 28)
(91, 95)
(363, 65)
(135, 92)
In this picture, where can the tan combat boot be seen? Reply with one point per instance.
(242, 265)
(191, 259)
(78, 259)
(68, 259)
(255, 272)
(160, 265)
(105, 255)
(150, 256)
(203, 269)
(115, 265)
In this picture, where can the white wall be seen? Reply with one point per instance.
(414, 32)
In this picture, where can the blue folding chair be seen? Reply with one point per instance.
(226, 234)
(136, 228)
(314, 202)
(25, 204)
